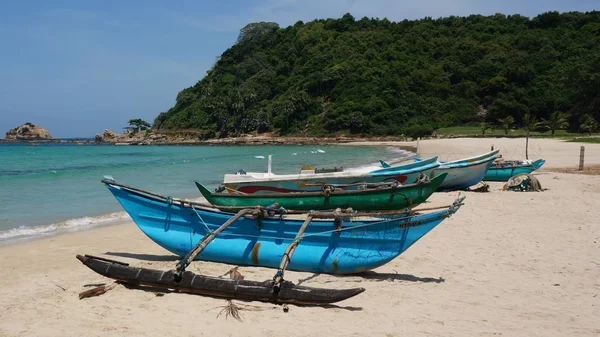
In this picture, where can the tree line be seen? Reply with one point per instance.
(377, 77)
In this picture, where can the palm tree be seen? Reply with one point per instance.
(484, 127)
(530, 123)
(589, 123)
(506, 123)
(558, 120)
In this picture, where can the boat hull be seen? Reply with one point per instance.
(505, 173)
(464, 173)
(360, 245)
(460, 178)
(403, 174)
(391, 198)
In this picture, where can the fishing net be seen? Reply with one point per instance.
(481, 187)
(524, 182)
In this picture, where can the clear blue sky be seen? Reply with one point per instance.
(79, 67)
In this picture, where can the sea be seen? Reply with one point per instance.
(49, 188)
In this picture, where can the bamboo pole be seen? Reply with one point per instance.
(287, 256)
(200, 246)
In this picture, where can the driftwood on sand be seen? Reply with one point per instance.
(97, 291)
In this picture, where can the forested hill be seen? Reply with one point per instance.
(377, 77)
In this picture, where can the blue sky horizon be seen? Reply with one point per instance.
(78, 68)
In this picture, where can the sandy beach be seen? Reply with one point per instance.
(507, 264)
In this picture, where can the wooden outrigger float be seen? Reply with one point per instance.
(192, 283)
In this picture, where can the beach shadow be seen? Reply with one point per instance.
(94, 285)
(145, 257)
(371, 275)
(156, 290)
(161, 291)
(326, 306)
(300, 281)
(333, 306)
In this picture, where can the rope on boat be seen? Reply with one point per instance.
(318, 233)
(401, 226)
(203, 243)
(198, 214)
(338, 230)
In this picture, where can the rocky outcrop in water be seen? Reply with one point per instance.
(28, 131)
(106, 137)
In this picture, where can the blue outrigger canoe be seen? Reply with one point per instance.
(506, 170)
(336, 246)
(463, 173)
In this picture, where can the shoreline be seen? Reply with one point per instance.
(25, 234)
(563, 158)
(171, 140)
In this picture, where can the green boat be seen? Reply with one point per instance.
(370, 199)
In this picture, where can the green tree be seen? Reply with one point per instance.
(139, 124)
(589, 124)
(377, 77)
(530, 123)
(557, 121)
(485, 126)
(507, 122)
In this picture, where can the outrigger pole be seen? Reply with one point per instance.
(201, 245)
(287, 256)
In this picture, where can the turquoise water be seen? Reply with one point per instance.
(54, 187)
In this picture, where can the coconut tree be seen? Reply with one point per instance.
(506, 123)
(558, 120)
(589, 124)
(530, 123)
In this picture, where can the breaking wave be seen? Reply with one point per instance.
(76, 224)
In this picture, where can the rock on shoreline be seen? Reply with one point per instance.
(190, 138)
(28, 131)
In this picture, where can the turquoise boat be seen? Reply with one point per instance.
(385, 198)
(464, 173)
(503, 171)
(349, 243)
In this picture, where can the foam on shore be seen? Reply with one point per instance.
(23, 233)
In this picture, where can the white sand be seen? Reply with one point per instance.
(507, 264)
(557, 153)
